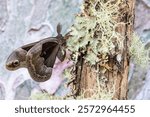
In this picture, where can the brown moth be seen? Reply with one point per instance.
(38, 57)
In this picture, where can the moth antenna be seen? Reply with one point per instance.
(59, 28)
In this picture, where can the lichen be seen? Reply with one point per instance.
(94, 31)
(44, 96)
(95, 37)
(138, 52)
(97, 93)
(67, 73)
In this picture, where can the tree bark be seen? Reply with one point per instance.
(117, 73)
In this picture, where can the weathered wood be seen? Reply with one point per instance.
(86, 76)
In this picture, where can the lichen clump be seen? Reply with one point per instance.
(138, 52)
(94, 31)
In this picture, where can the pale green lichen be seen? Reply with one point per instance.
(67, 73)
(138, 53)
(44, 96)
(95, 30)
(97, 93)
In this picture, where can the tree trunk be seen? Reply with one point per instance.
(114, 81)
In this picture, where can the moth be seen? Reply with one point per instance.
(39, 57)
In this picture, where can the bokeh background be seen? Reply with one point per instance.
(25, 21)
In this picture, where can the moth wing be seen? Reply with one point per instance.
(49, 53)
(37, 63)
(59, 28)
(27, 47)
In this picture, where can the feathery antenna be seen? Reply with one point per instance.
(59, 28)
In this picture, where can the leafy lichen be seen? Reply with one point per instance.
(94, 30)
(138, 52)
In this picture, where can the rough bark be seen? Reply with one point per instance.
(117, 73)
